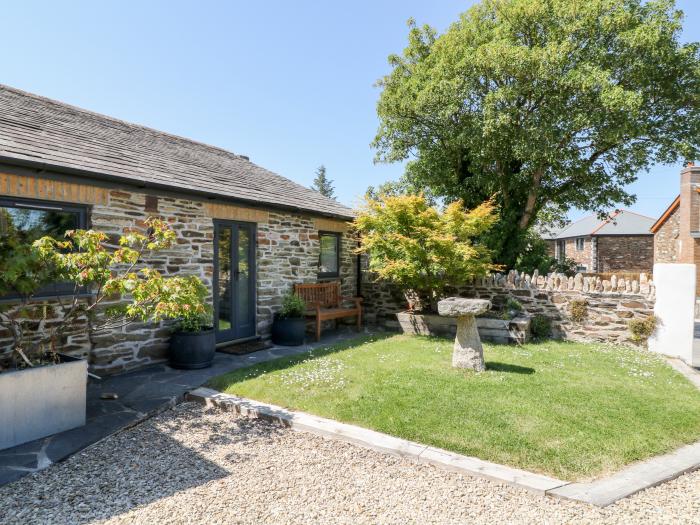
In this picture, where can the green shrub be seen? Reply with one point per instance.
(513, 304)
(293, 306)
(422, 249)
(511, 309)
(568, 267)
(194, 323)
(535, 255)
(541, 326)
(578, 310)
(642, 329)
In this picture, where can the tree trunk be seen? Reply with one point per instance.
(531, 202)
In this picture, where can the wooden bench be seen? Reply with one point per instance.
(323, 301)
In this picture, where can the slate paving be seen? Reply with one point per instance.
(141, 394)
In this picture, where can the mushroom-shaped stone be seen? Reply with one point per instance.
(468, 352)
(458, 307)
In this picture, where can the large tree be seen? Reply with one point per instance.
(542, 103)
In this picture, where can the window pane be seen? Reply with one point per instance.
(243, 274)
(329, 254)
(225, 321)
(28, 225)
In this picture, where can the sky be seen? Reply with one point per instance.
(290, 84)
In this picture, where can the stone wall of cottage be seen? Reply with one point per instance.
(666, 240)
(625, 253)
(288, 252)
(610, 304)
(138, 344)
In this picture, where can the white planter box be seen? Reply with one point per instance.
(38, 402)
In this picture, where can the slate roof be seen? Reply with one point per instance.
(623, 222)
(39, 132)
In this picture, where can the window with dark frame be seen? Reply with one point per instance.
(329, 259)
(580, 242)
(29, 220)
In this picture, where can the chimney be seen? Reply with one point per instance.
(689, 218)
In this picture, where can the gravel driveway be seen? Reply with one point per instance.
(192, 465)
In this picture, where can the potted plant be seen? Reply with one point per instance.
(43, 391)
(193, 343)
(289, 324)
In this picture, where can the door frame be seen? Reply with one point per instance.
(232, 334)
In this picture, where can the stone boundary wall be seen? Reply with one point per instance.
(610, 304)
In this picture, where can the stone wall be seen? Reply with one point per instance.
(137, 344)
(609, 304)
(666, 239)
(288, 251)
(625, 253)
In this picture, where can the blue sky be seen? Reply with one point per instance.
(288, 83)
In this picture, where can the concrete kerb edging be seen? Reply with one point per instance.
(601, 493)
(685, 369)
(376, 440)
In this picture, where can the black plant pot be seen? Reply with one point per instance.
(288, 331)
(192, 350)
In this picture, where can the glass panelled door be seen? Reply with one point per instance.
(234, 280)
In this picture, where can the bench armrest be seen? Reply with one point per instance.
(356, 300)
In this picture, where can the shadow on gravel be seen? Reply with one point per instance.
(247, 430)
(154, 460)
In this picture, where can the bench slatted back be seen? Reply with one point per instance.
(325, 294)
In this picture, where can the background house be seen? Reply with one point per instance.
(250, 234)
(621, 243)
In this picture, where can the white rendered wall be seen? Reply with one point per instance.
(675, 308)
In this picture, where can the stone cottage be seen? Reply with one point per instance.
(250, 234)
(677, 231)
(620, 243)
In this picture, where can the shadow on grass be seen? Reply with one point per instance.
(508, 368)
(224, 381)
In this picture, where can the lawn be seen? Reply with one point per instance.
(570, 410)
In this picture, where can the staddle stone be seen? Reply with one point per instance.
(459, 306)
(467, 352)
